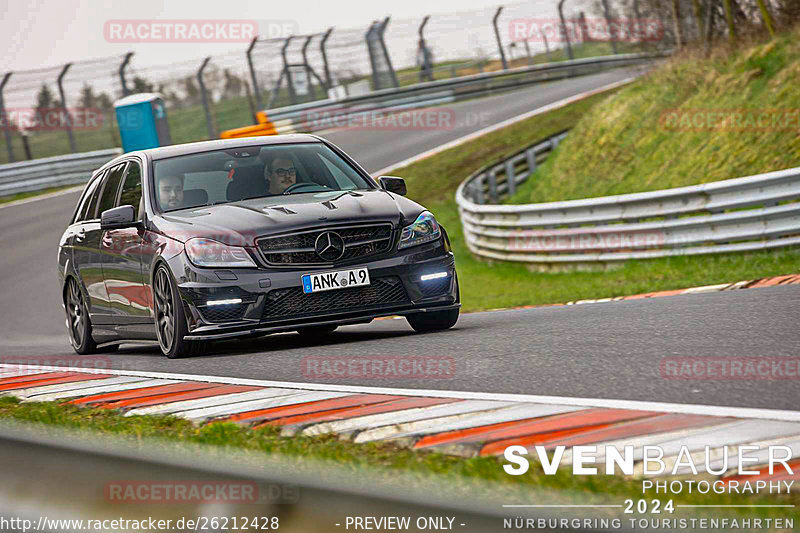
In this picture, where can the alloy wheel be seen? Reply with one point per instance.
(165, 312)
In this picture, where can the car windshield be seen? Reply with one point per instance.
(236, 174)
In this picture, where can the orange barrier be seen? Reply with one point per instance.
(264, 127)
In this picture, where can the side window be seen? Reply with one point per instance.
(86, 199)
(110, 188)
(91, 209)
(132, 188)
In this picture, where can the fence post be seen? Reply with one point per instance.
(311, 90)
(376, 81)
(322, 42)
(67, 118)
(425, 71)
(204, 95)
(611, 33)
(289, 82)
(3, 120)
(511, 179)
(122, 80)
(253, 80)
(497, 36)
(381, 30)
(564, 28)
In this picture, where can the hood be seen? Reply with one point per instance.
(241, 223)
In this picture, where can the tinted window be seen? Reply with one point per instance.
(132, 188)
(91, 210)
(235, 174)
(110, 189)
(86, 199)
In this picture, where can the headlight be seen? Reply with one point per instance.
(208, 253)
(424, 229)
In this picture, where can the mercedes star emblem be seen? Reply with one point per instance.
(329, 246)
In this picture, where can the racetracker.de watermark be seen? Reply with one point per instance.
(52, 118)
(157, 492)
(587, 29)
(378, 367)
(423, 119)
(26, 362)
(579, 240)
(180, 31)
(731, 120)
(730, 368)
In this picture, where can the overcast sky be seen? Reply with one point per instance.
(43, 33)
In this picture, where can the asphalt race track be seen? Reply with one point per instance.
(610, 350)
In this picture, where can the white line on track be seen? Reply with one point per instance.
(665, 407)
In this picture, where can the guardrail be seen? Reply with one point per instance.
(52, 171)
(51, 474)
(743, 214)
(324, 114)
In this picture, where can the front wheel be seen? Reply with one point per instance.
(170, 319)
(433, 320)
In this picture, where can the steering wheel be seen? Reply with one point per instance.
(296, 186)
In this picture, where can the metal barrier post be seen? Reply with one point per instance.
(611, 33)
(376, 81)
(253, 79)
(122, 80)
(4, 121)
(67, 118)
(381, 30)
(289, 82)
(327, 70)
(204, 95)
(426, 69)
(497, 36)
(311, 90)
(564, 28)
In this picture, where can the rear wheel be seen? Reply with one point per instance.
(170, 319)
(433, 320)
(78, 322)
(317, 331)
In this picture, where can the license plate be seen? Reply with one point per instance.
(328, 281)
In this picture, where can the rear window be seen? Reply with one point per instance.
(259, 171)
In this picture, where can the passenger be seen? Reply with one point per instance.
(170, 192)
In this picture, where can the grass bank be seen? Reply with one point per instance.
(616, 146)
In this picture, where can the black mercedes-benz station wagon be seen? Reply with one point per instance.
(191, 243)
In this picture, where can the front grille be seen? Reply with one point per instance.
(293, 302)
(435, 287)
(298, 248)
(223, 313)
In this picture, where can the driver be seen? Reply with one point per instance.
(170, 192)
(280, 174)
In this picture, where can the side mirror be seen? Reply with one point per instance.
(393, 184)
(118, 218)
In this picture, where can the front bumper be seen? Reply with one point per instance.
(272, 299)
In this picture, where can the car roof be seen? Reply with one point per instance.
(164, 152)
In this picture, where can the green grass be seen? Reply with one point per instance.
(29, 194)
(628, 146)
(460, 473)
(490, 285)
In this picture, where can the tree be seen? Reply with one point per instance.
(192, 90)
(233, 85)
(87, 97)
(141, 85)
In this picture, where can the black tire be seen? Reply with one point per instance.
(170, 319)
(317, 331)
(78, 322)
(433, 320)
